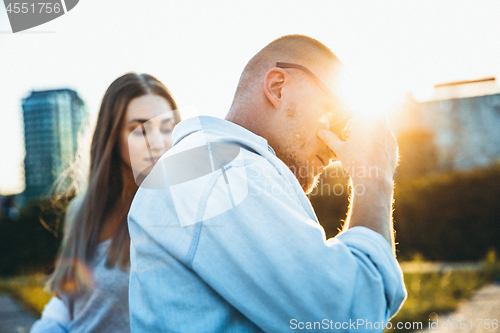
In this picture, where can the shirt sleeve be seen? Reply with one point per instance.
(55, 318)
(271, 261)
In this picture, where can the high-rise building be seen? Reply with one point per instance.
(52, 120)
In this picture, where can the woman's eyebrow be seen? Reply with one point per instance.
(143, 120)
(138, 120)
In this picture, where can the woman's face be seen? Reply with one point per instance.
(146, 133)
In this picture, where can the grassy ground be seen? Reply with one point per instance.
(440, 292)
(28, 291)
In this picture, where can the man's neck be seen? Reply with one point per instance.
(250, 120)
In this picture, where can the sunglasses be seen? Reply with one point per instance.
(342, 128)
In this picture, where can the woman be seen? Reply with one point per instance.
(134, 128)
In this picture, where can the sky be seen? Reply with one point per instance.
(198, 50)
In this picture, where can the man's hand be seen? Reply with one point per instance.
(371, 145)
(370, 157)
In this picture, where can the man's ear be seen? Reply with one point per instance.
(273, 86)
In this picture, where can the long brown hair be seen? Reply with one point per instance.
(87, 212)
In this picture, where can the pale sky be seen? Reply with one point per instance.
(198, 50)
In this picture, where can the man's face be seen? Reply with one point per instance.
(308, 111)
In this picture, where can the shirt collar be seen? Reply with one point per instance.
(207, 123)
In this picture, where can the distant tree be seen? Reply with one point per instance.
(451, 216)
(30, 242)
(418, 153)
(330, 199)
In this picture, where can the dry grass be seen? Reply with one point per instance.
(28, 291)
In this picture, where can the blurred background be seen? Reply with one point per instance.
(431, 67)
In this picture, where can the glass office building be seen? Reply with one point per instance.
(52, 120)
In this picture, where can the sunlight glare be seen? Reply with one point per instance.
(369, 94)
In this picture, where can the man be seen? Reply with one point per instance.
(223, 237)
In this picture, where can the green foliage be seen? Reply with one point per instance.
(451, 217)
(454, 216)
(417, 153)
(439, 292)
(30, 242)
(330, 199)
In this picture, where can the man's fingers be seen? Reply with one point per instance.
(331, 140)
(384, 128)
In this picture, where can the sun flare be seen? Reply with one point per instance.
(369, 94)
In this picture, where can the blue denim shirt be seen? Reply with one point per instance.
(223, 239)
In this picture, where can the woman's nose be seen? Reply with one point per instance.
(156, 140)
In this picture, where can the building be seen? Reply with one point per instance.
(463, 120)
(52, 120)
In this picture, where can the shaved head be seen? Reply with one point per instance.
(286, 106)
(297, 49)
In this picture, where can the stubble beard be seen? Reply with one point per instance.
(303, 171)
